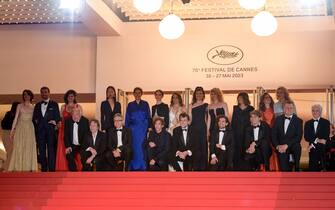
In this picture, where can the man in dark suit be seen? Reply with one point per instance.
(257, 143)
(93, 149)
(118, 152)
(316, 133)
(46, 117)
(286, 137)
(75, 131)
(158, 146)
(220, 145)
(183, 145)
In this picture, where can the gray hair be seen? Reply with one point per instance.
(317, 106)
(118, 115)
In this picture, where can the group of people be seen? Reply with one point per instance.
(166, 137)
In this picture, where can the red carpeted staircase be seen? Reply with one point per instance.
(167, 190)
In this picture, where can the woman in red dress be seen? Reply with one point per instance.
(66, 110)
(268, 116)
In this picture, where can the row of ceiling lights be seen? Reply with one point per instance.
(172, 27)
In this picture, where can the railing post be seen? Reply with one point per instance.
(259, 92)
(187, 99)
(331, 104)
(123, 99)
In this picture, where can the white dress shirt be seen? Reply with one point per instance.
(185, 134)
(119, 138)
(316, 123)
(94, 136)
(75, 134)
(287, 123)
(223, 147)
(256, 132)
(44, 107)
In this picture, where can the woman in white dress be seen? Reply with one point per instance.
(176, 108)
(24, 155)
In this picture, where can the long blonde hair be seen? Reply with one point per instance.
(217, 92)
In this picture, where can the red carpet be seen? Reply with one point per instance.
(145, 190)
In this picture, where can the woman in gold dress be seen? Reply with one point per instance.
(24, 155)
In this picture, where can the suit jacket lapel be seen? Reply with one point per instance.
(182, 138)
(97, 140)
(318, 127)
(115, 138)
(124, 137)
(188, 137)
(261, 132)
(282, 126)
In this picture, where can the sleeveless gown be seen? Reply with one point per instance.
(199, 123)
(24, 155)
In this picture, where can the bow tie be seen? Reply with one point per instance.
(257, 126)
(185, 129)
(316, 120)
(45, 102)
(287, 118)
(222, 130)
(119, 129)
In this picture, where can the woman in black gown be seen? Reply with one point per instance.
(109, 108)
(160, 109)
(215, 108)
(240, 121)
(198, 116)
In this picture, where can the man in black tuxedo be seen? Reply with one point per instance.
(183, 145)
(220, 146)
(93, 149)
(286, 137)
(46, 117)
(257, 143)
(118, 152)
(158, 146)
(75, 131)
(316, 133)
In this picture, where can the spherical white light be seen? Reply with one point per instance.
(171, 27)
(264, 24)
(252, 4)
(147, 6)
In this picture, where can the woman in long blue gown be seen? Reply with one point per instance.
(138, 119)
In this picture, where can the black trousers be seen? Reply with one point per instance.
(115, 164)
(317, 158)
(261, 156)
(187, 164)
(225, 161)
(98, 163)
(71, 157)
(46, 141)
(158, 166)
(284, 158)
